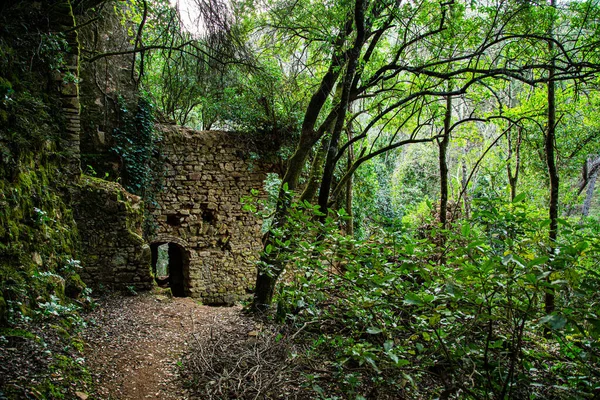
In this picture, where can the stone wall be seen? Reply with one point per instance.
(109, 221)
(66, 80)
(199, 208)
(102, 83)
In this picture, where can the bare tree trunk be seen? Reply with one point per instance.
(514, 178)
(464, 182)
(443, 148)
(271, 263)
(351, 66)
(549, 303)
(589, 194)
(349, 194)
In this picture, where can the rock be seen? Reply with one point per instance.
(81, 395)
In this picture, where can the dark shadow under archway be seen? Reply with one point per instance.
(170, 266)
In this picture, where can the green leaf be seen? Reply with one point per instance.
(269, 248)
(434, 319)
(373, 330)
(388, 344)
(412, 299)
(465, 229)
(519, 198)
(537, 261)
(402, 363)
(555, 321)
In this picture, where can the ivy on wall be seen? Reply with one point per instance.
(136, 143)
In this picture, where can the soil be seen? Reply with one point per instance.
(134, 344)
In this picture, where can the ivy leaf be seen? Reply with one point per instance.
(519, 198)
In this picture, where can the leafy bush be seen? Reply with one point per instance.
(391, 320)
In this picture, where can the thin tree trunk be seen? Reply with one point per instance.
(271, 264)
(514, 178)
(443, 148)
(464, 182)
(589, 194)
(353, 56)
(549, 303)
(349, 194)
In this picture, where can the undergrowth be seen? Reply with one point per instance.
(401, 316)
(398, 316)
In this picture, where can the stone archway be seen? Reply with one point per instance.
(171, 265)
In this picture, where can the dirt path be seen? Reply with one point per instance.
(134, 343)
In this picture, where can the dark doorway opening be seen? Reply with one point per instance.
(170, 265)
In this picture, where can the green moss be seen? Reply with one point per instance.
(37, 220)
(20, 333)
(138, 239)
(3, 311)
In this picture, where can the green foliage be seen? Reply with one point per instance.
(30, 117)
(135, 142)
(384, 315)
(374, 204)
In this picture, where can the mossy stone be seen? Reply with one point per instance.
(74, 286)
(3, 311)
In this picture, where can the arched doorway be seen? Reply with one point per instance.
(170, 266)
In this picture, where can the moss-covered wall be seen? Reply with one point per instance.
(42, 247)
(39, 156)
(110, 227)
(106, 86)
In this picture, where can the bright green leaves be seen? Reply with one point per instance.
(386, 306)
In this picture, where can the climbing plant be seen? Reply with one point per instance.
(136, 143)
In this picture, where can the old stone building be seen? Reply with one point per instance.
(199, 212)
(213, 242)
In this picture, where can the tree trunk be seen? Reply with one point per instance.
(589, 194)
(349, 194)
(552, 172)
(353, 57)
(443, 148)
(464, 183)
(316, 170)
(270, 264)
(514, 178)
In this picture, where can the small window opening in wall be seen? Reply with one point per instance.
(169, 267)
(208, 216)
(173, 220)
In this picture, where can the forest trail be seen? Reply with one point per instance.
(134, 344)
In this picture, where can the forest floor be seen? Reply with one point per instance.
(135, 344)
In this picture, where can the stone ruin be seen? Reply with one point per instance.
(212, 242)
(199, 212)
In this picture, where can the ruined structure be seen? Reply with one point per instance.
(199, 211)
(109, 221)
(212, 241)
